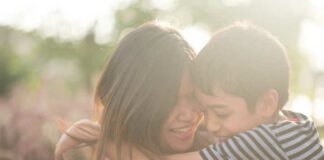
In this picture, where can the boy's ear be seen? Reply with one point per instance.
(267, 104)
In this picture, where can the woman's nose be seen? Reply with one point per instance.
(188, 113)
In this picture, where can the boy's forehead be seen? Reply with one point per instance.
(220, 99)
(207, 98)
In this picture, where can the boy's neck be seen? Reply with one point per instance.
(280, 117)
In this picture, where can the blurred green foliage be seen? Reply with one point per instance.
(12, 67)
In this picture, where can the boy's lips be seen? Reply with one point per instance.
(219, 138)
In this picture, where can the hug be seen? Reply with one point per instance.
(157, 99)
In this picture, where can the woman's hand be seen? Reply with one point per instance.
(83, 131)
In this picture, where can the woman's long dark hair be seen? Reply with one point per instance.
(138, 88)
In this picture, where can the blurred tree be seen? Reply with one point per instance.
(127, 18)
(11, 65)
(85, 53)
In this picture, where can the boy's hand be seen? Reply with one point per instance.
(81, 132)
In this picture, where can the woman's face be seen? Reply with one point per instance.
(178, 132)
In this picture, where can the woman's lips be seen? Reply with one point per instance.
(184, 133)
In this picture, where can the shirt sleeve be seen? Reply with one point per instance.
(257, 143)
(299, 140)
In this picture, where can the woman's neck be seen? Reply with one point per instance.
(127, 152)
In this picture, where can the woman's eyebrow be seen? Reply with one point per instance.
(218, 106)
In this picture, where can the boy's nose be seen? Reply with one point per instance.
(213, 126)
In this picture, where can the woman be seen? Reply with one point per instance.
(145, 97)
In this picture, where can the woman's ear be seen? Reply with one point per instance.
(267, 105)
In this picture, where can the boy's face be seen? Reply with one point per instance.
(227, 115)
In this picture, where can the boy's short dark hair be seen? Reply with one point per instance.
(245, 61)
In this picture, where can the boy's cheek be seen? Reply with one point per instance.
(232, 127)
(240, 126)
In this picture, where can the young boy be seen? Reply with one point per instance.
(242, 79)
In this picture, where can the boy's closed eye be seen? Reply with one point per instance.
(222, 115)
(219, 114)
(218, 111)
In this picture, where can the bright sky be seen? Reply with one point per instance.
(70, 19)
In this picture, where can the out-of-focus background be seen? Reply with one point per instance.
(51, 53)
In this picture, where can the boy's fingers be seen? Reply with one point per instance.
(62, 125)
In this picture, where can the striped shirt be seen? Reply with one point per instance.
(293, 139)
